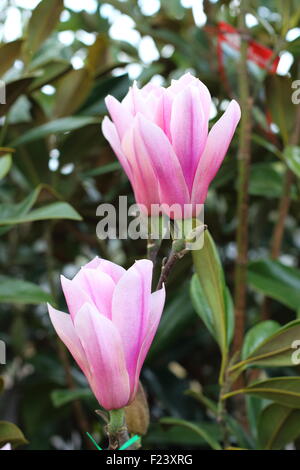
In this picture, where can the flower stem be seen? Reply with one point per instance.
(116, 429)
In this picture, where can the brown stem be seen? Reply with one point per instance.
(244, 156)
(168, 263)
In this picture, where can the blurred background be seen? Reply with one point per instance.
(58, 60)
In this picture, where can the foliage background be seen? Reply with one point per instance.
(58, 168)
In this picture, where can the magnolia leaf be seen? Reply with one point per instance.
(21, 292)
(10, 433)
(276, 280)
(278, 425)
(194, 427)
(282, 390)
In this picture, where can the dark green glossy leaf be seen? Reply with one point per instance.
(257, 335)
(197, 428)
(21, 292)
(282, 390)
(5, 165)
(59, 126)
(42, 22)
(292, 158)
(276, 350)
(216, 310)
(10, 433)
(276, 280)
(278, 426)
(62, 397)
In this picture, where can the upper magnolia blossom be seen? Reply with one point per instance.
(160, 136)
(112, 322)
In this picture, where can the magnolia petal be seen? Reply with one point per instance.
(103, 348)
(130, 310)
(144, 180)
(110, 133)
(99, 287)
(156, 308)
(189, 130)
(64, 328)
(215, 150)
(152, 145)
(119, 114)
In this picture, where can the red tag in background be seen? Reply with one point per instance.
(229, 39)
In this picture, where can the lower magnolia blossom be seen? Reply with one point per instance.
(112, 322)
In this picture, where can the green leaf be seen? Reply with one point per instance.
(5, 165)
(266, 179)
(12, 214)
(292, 158)
(194, 427)
(177, 314)
(15, 89)
(275, 351)
(257, 335)
(282, 390)
(276, 280)
(201, 305)
(278, 425)
(10, 433)
(102, 170)
(59, 126)
(42, 22)
(56, 210)
(9, 52)
(71, 91)
(21, 292)
(62, 397)
(211, 299)
(278, 91)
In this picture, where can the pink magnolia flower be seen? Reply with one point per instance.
(160, 136)
(112, 322)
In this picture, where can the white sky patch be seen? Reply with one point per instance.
(158, 80)
(88, 5)
(147, 50)
(48, 90)
(28, 4)
(65, 16)
(77, 62)
(13, 25)
(87, 38)
(109, 12)
(293, 34)
(134, 71)
(251, 20)
(167, 51)
(66, 37)
(285, 62)
(198, 13)
(149, 7)
(122, 29)
(67, 169)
